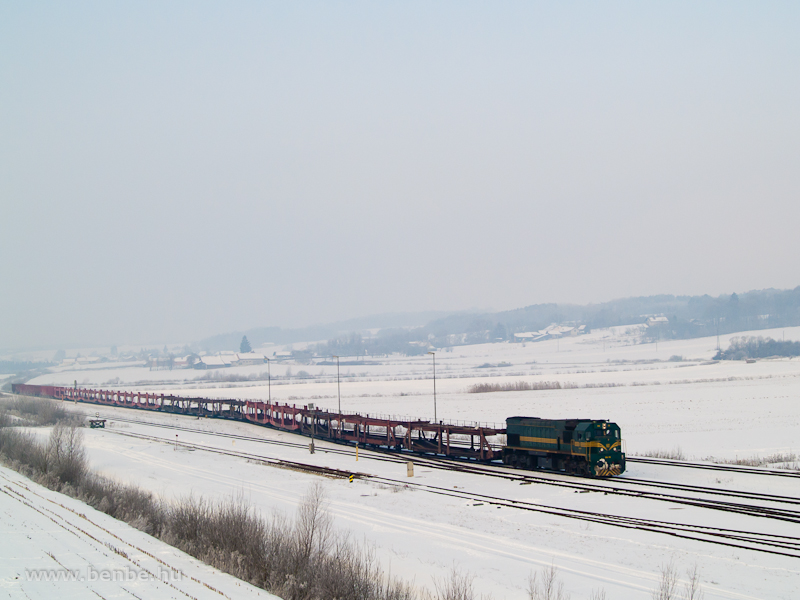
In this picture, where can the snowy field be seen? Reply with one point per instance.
(725, 410)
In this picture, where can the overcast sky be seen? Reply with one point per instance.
(172, 170)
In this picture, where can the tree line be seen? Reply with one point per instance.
(742, 348)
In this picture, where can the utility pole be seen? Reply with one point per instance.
(269, 382)
(339, 394)
(433, 354)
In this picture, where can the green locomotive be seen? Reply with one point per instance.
(579, 446)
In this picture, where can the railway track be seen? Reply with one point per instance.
(747, 540)
(614, 486)
(712, 467)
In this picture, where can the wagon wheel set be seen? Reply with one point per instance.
(568, 464)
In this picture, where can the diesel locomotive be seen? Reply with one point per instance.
(579, 446)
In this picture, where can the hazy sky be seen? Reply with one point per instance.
(171, 170)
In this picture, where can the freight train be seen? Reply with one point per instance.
(575, 446)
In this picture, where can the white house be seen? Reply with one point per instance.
(654, 321)
(211, 362)
(250, 358)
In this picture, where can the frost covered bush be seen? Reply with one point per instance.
(21, 447)
(124, 502)
(227, 535)
(517, 386)
(66, 458)
(300, 560)
(674, 454)
(61, 461)
(35, 411)
(780, 460)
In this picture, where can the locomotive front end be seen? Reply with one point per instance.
(605, 449)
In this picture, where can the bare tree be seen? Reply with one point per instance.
(667, 587)
(66, 456)
(691, 590)
(458, 586)
(313, 527)
(546, 586)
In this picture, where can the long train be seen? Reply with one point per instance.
(578, 446)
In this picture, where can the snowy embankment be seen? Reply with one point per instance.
(57, 547)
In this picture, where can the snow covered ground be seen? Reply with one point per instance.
(721, 409)
(56, 547)
(422, 535)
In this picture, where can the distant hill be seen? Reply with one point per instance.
(276, 335)
(686, 317)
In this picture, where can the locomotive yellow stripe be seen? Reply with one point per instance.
(565, 450)
(534, 440)
(592, 444)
